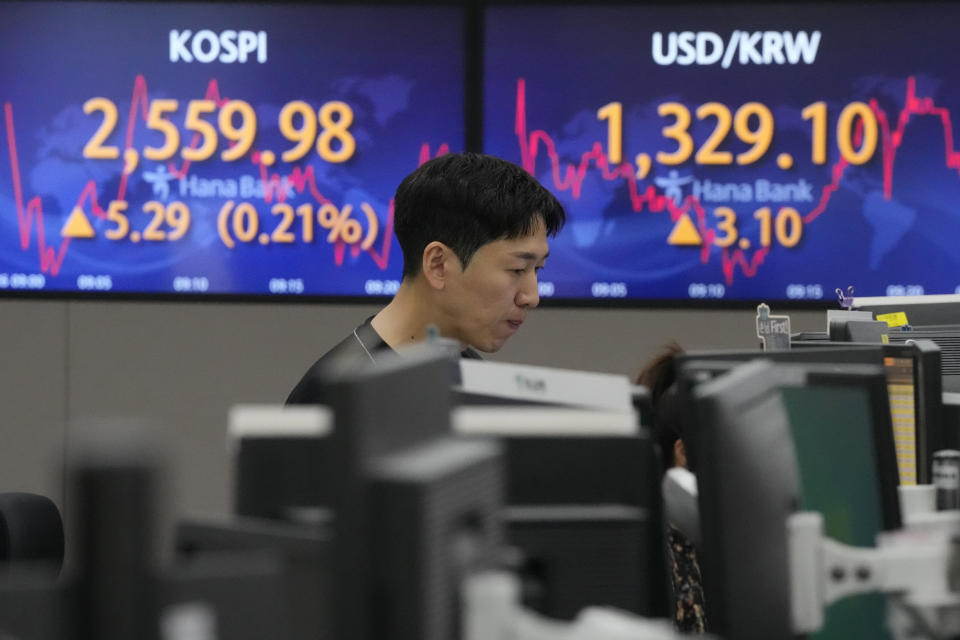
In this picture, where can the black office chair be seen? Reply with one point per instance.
(30, 529)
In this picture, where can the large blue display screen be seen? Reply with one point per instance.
(217, 148)
(735, 152)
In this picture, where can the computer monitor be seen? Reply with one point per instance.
(749, 484)
(281, 461)
(33, 606)
(920, 310)
(293, 560)
(841, 430)
(687, 378)
(915, 387)
(947, 339)
(935, 318)
(855, 326)
(583, 506)
(113, 590)
(951, 420)
(242, 596)
(415, 508)
(403, 497)
(870, 383)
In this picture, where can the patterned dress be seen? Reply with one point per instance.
(687, 585)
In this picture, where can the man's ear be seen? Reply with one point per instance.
(439, 263)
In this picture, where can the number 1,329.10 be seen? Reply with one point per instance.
(753, 123)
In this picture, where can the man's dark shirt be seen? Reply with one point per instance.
(360, 348)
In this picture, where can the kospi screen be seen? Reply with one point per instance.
(754, 152)
(162, 148)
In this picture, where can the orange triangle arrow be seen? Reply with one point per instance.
(685, 233)
(77, 226)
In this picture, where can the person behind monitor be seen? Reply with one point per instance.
(473, 230)
(659, 375)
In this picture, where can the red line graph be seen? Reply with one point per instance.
(30, 216)
(50, 258)
(892, 140)
(302, 180)
(570, 176)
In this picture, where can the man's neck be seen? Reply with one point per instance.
(405, 320)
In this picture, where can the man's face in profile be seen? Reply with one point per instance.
(489, 299)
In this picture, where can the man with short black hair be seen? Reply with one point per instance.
(473, 230)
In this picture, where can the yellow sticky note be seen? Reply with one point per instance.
(898, 319)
